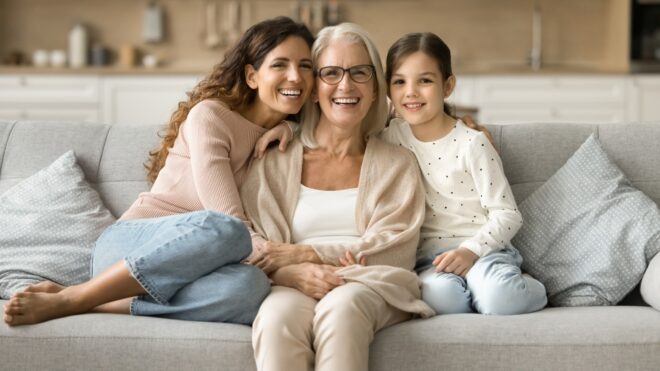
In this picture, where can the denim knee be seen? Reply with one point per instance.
(509, 296)
(445, 293)
(227, 232)
(256, 285)
(498, 300)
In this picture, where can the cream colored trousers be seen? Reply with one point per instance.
(294, 332)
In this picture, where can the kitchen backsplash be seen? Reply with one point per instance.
(481, 33)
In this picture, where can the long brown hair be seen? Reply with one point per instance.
(426, 42)
(226, 81)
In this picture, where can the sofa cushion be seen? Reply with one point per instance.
(581, 338)
(587, 231)
(124, 342)
(650, 287)
(589, 338)
(50, 222)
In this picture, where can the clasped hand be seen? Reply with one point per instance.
(313, 280)
(273, 256)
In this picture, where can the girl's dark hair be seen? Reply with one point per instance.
(226, 81)
(426, 42)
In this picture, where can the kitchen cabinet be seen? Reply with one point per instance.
(143, 100)
(131, 100)
(54, 97)
(150, 99)
(89, 115)
(547, 99)
(644, 105)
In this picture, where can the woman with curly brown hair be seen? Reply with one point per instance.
(176, 251)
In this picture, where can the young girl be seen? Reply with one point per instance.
(465, 261)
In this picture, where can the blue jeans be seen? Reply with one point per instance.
(189, 265)
(494, 285)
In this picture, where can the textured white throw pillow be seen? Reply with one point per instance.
(50, 222)
(588, 234)
(651, 283)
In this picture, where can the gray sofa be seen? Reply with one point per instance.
(624, 337)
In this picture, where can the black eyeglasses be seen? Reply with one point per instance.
(333, 74)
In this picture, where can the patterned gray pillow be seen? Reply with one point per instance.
(588, 233)
(50, 222)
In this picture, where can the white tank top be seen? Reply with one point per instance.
(324, 217)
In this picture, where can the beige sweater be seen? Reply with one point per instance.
(389, 213)
(204, 168)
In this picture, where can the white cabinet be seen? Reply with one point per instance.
(550, 99)
(143, 100)
(645, 103)
(90, 115)
(464, 92)
(500, 99)
(132, 100)
(49, 97)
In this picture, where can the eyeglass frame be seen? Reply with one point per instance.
(372, 68)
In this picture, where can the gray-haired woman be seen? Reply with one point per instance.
(338, 192)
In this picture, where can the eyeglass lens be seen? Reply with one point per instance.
(334, 74)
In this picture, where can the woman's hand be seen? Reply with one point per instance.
(273, 256)
(281, 132)
(457, 261)
(469, 121)
(313, 280)
(349, 259)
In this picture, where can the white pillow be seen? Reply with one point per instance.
(50, 222)
(651, 283)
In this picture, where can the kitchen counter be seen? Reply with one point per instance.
(520, 69)
(203, 70)
(110, 70)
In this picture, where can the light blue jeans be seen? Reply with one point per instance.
(494, 285)
(189, 265)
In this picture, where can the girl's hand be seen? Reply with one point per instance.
(273, 256)
(313, 280)
(281, 132)
(469, 121)
(350, 260)
(457, 261)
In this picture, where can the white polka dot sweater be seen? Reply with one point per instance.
(469, 202)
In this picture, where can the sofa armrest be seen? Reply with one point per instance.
(651, 283)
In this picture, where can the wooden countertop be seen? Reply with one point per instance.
(110, 70)
(515, 70)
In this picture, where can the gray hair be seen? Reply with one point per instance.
(375, 120)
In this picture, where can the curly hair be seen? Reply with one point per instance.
(226, 82)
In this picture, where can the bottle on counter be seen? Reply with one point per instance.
(78, 43)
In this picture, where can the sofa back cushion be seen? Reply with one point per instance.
(113, 156)
(532, 153)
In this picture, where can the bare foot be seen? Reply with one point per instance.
(34, 307)
(45, 286)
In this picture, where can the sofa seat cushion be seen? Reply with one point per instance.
(123, 342)
(604, 338)
(568, 338)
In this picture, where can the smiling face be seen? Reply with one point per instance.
(346, 103)
(418, 90)
(285, 79)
